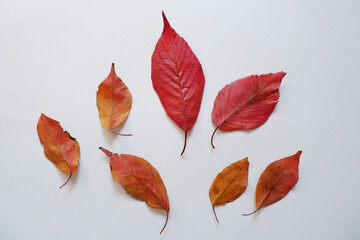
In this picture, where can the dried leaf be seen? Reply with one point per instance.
(177, 78)
(229, 184)
(246, 103)
(276, 181)
(140, 179)
(59, 147)
(113, 100)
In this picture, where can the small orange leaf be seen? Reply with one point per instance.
(276, 181)
(140, 179)
(229, 184)
(113, 100)
(59, 147)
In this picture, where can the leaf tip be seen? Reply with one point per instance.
(166, 22)
(43, 115)
(281, 75)
(298, 154)
(107, 152)
(112, 68)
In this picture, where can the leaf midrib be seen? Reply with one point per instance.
(233, 179)
(174, 60)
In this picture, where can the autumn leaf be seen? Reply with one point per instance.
(140, 179)
(246, 103)
(59, 147)
(276, 181)
(229, 184)
(177, 78)
(113, 100)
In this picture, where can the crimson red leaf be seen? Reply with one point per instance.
(246, 103)
(177, 78)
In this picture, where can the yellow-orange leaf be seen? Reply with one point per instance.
(229, 184)
(113, 100)
(140, 179)
(59, 147)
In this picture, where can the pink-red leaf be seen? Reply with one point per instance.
(246, 103)
(140, 179)
(276, 181)
(177, 78)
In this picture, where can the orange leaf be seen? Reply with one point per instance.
(140, 179)
(276, 181)
(229, 184)
(59, 147)
(113, 100)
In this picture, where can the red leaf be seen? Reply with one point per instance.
(246, 103)
(177, 78)
(276, 181)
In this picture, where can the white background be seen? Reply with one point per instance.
(54, 54)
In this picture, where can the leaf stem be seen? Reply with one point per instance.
(66, 181)
(184, 144)
(212, 137)
(215, 214)
(120, 134)
(167, 217)
(248, 214)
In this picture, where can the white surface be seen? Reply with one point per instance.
(54, 54)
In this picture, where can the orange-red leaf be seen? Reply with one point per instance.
(277, 180)
(140, 179)
(113, 100)
(177, 78)
(59, 147)
(246, 103)
(229, 184)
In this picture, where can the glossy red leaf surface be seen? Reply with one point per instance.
(177, 78)
(246, 103)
